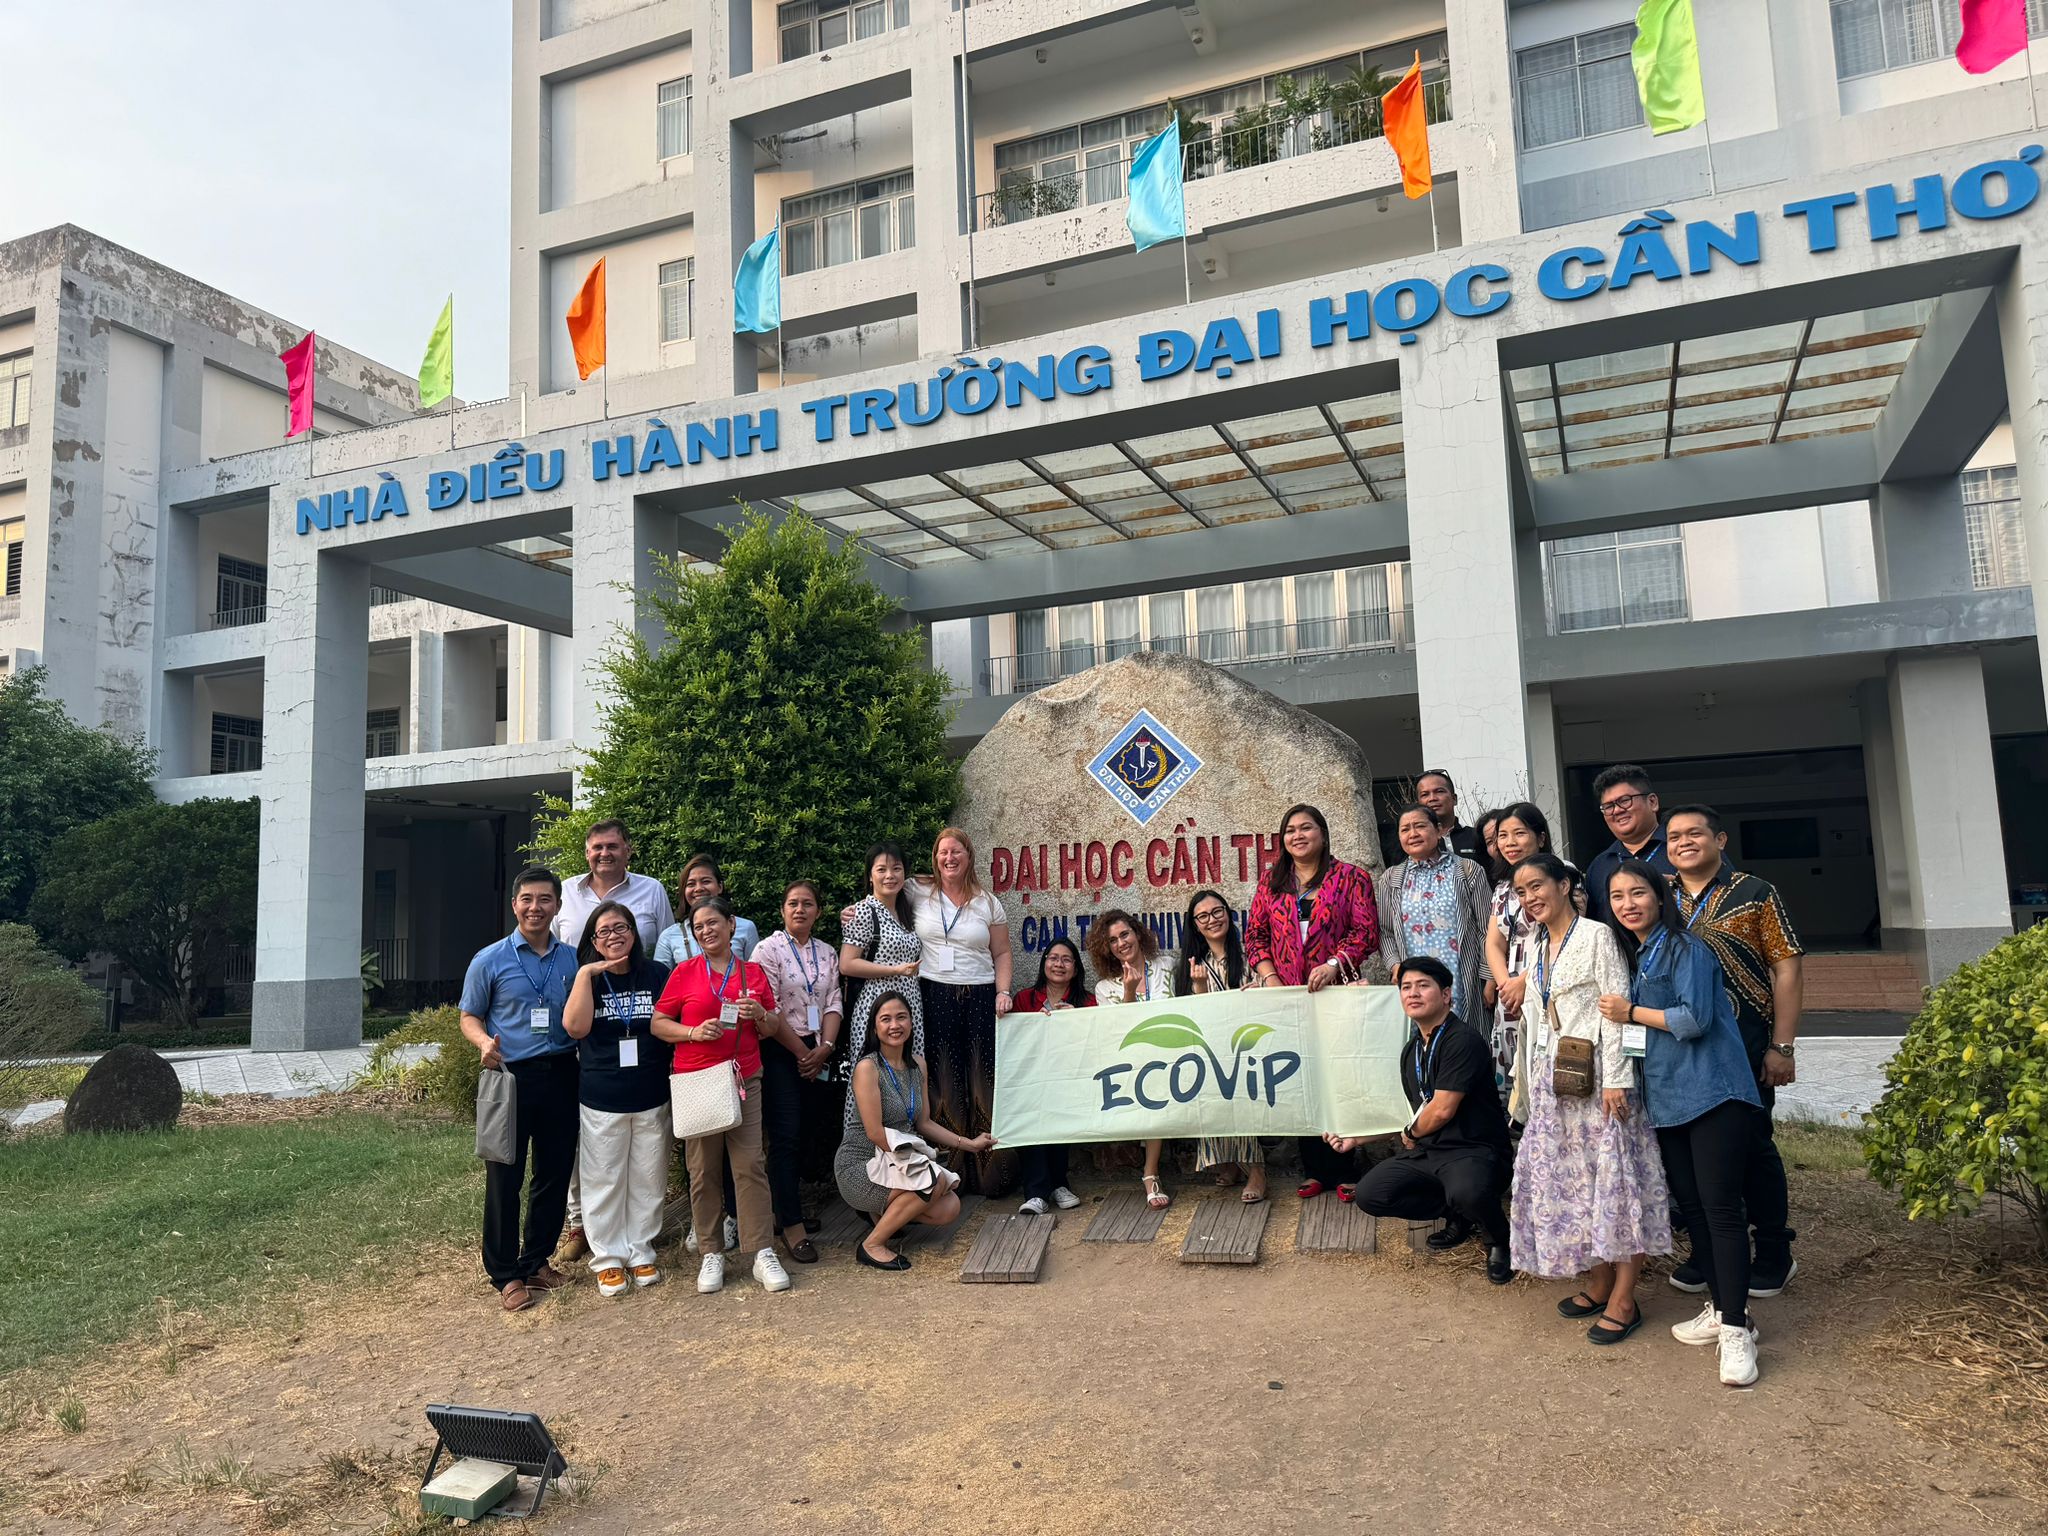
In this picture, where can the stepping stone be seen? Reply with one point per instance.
(1225, 1232)
(1124, 1218)
(1009, 1250)
(842, 1226)
(1335, 1226)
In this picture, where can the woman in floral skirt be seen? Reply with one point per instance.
(1589, 1194)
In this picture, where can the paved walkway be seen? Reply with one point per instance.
(1840, 1078)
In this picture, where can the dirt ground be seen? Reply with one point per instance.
(1125, 1392)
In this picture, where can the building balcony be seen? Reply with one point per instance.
(1383, 629)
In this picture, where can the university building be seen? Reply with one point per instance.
(1719, 451)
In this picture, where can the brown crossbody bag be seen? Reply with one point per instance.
(1572, 1068)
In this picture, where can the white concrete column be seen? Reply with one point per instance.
(937, 159)
(1482, 127)
(1461, 541)
(1546, 766)
(1948, 802)
(2023, 337)
(425, 711)
(529, 685)
(469, 689)
(1895, 911)
(1920, 537)
(722, 170)
(309, 890)
(617, 541)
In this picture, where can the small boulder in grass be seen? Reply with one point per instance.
(131, 1088)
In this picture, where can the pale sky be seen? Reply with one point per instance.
(343, 164)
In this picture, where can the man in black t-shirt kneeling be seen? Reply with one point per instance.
(1454, 1160)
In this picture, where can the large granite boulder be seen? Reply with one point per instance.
(131, 1088)
(1139, 782)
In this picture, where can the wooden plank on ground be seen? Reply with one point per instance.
(1124, 1218)
(1225, 1232)
(938, 1239)
(1335, 1226)
(1418, 1235)
(842, 1226)
(1009, 1250)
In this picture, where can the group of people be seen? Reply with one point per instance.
(1589, 1050)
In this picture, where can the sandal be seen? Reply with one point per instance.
(1226, 1175)
(1608, 1330)
(1310, 1188)
(1252, 1196)
(1581, 1305)
(1155, 1197)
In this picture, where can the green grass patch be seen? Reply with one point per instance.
(1829, 1148)
(97, 1233)
(31, 1085)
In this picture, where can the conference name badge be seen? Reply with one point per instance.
(537, 1020)
(629, 1053)
(1635, 1039)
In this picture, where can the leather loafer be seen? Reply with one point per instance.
(514, 1296)
(804, 1251)
(546, 1278)
(1498, 1268)
(1454, 1232)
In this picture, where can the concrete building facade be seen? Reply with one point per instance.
(1725, 457)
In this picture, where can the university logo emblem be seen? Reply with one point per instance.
(1143, 767)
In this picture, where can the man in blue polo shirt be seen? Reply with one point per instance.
(512, 1002)
(1629, 807)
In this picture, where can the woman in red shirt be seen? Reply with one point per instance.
(1061, 985)
(715, 1008)
(1313, 921)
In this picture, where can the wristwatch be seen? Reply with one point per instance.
(1783, 1049)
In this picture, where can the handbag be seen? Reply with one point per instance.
(1573, 1070)
(706, 1101)
(497, 1116)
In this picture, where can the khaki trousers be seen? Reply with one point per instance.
(706, 1157)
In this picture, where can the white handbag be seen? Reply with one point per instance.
(706, 1101)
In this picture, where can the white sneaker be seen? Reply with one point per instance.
(732, 1233)
(1065, 1198)
(1032, 1207)
(769, 1271)
(690, 1242)
(1738, 1357)
(711, 1274)
(1702, 1330)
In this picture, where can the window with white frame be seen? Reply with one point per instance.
(13, 549)
(672, 118)
(1121, 634)
(678, 298)
(380, 733)
(1998, 544)
(241, 592)
(14, 378)
(1614, 580)
(1577, 87)
(812, 26)
(237, 744)
(1168, 616)
(849, 223)
(1872, 36)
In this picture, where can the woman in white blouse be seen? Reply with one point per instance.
(963, 975)
(1132, 970)
(804, 971)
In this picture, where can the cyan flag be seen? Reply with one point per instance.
(757, 287)
(1157, 210)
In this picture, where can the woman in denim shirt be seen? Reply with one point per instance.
(1699, 1094)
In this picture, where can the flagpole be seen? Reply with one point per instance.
(1187, 281)
(781, 367)
(1433, 246)
(2033, 108)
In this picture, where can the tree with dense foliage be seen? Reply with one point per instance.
(45, 1006)
(1966, 1113)
(55, 775)
(165, 889)
(784, 723)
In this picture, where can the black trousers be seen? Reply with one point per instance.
(1320, 1160)
(1425, 1186)
(789, 1112)
(1044, 1170)
(547, 1122)
(1708, 1161)
(960, 1054)
(1763, 1190)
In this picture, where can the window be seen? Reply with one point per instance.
(241, 593)
(1577, 87)
(237, 744)
(1368, 617)
(1119, 627)
(1169, 614)
(678, 298)
(13, 548)
(1216, 623)
(849, 223)
(1265, 618)
(672, 118)
(380, 733)
(14, 389)
(1872, 36)
(1077, 638)
(1315, 612)
(1991, 512)
(812, 26)
(1610, 580)
(1034, 652)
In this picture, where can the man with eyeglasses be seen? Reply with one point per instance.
(1629, 807)
(1435, 790)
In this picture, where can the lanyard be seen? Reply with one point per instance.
(817, 969)
(911, 1097)
(946, 924)
(1543, 962)
(611, 993)
(547, 971)
(1702, 901)
(1644, 961)
(1425, 1075)
(1219, 980)
(732, 970)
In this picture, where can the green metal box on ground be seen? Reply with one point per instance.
(468, 1489)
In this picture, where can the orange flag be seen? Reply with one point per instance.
(1407, 126)
(586, 322)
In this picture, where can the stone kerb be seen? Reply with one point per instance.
(1139, 782)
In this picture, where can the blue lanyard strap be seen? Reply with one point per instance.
(1700, 902)
(1543, 961)
(816, 968)
(548, 968)
(1645, 960)
(909, 1098)
(1425, 1075)
(738, 965)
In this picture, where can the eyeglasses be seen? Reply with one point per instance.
(614, 933)
(1620, 804)
(1212, 915)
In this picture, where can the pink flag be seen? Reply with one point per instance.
(298, 384)
(1993, 31)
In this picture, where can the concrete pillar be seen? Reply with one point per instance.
(72, 349)
(2023, 338)
(1920, 538)
(1546, 766)
(1461, 540)
(529, 685)
(617, 540)
(1887, 820)
(309, 892)
(939, 162)
(425, 712)
(1948, 809)
(722, 169)
(469, 689)
(1482, 126)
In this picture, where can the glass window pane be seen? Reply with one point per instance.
(1609, 88)
(838, 239)
(796, 41)
(1585, 590)
(1315, 611)
(1859, 38)
(1105, 180)
(799, 247)
(906, 223)
(1550, 109)
(831, 31)
(1216, 618)
(1265, 614)
(1077, 638)
(874, 229)
(1653, 583)
(871, 20)
(1119, 626)
(1169, 617)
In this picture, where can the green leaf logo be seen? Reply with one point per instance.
(1247, 1036)
(1169, 1031)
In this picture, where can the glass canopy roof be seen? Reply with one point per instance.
(1804, 378)
(1317, 458)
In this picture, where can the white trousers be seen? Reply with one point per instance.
(624, 1164)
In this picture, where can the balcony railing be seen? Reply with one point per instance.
(1378, 629)
(236, 618)
(1256, 137)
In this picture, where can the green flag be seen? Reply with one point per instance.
(437, 368)
(1667, 61)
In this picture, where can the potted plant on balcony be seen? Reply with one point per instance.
(1300, 113)
(1197, 148)
(1355, 104)
(1250, 139)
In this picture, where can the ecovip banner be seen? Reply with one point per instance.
(1276, 1061)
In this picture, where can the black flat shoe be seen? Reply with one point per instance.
(1580, 1305)
(1455, 1233)
(804, 1252)
(1600, 1333)
(862, 1256)
(1498, 1267)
